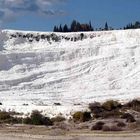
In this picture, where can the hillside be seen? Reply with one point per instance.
(39, 69)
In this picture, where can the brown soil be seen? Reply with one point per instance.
(24, 132)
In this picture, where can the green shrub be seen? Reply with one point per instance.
(27, 120)
(58, 119)
(86, 116)
(134, 104)
(14, 120)
(47, 121)
(111, 105)
(111, 114)
(96, 109)
(77, 116)
(37, 118)
(5, 115)
(81, 116)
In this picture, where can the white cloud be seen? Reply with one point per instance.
(10, 9)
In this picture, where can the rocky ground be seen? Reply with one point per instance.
(24, 132)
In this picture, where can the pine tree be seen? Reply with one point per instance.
(78, 27)
(60, 28)
(106, 27)
(73, 26)
(90, 26)
(65, 28)
(55, 29)
(137, 25)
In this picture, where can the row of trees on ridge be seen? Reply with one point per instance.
(135, 25)
(81, 27)
(74, 27)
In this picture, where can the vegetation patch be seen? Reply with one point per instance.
(58, 119)
(111, 105)
(134, 105)
(7, 117)
(81, 116)
(37, 118)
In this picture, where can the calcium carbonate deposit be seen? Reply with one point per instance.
(40, 70)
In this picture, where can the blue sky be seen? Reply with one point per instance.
(42, 15)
